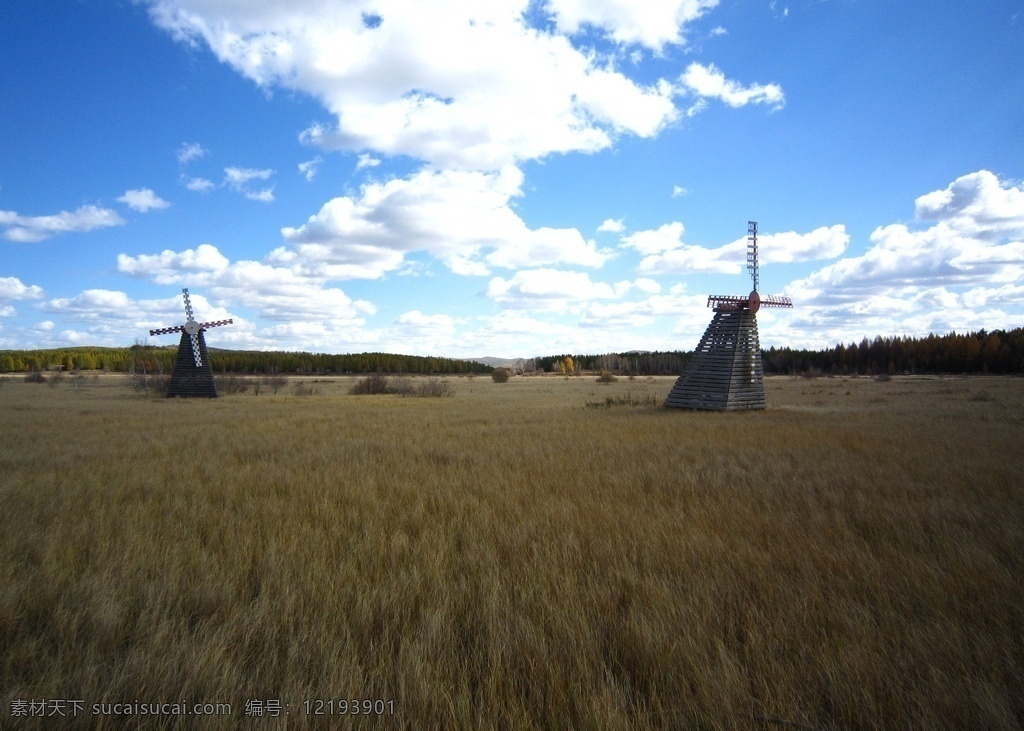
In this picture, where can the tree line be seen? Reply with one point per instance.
(996, 351)
(156, 359)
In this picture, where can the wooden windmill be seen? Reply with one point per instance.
(192, 374)
(725, 372)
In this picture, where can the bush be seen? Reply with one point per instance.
(435, 388)
(232, 383)
(305, 389)
(629, 399)
(500, 375)
(402, 386)
(373, 383)
(157, 383)
(606, 377)
(35, 377)
(275, 382)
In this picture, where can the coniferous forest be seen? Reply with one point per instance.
(991, 352)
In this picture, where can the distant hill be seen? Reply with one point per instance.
(497, 362)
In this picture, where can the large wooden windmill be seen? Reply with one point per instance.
(726, 373)
(192, 374)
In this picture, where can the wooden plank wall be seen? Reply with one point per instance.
(725, 373)
(186, 379)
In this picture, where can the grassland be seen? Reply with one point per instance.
(512, 557)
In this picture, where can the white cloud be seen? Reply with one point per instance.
(238, 178)
(92, 304)
(978, 205)
(651, 24)
(931, 279)
(708, 82)
(143, 200)
(263, 195)
(277, 292)
(310, 168)
(667, 254)
(555, 290)
(38, 228)
(665, 238)
(366, 160)
(199, 185)
(463, 219)
(678, 191)
(169, 266)
(190, 151)
(421, 333)
(613, 225)
(404, 87)
(12, 288)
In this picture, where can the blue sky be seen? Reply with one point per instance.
(508, 178)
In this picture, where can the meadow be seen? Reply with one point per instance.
(545, 553)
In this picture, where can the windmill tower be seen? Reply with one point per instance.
(726, 373)
(192, 374)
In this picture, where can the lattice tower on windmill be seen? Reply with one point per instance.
(726, 372)
(192, 374)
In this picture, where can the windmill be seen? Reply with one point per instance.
(726, 373)
(192, 374)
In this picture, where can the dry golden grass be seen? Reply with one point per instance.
(851, 558)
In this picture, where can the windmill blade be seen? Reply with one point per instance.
(188, 305)
(217, 323)
(774, 300)
(167, 330)
(752, 252)
(195, 349)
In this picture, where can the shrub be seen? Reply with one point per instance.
(232, 383)
(305, 389)
(35, 377)
(275, 382)
(629, 399)
(156, 383)
(606, 377)
(435, 388)
(373, 383)
(500, 375)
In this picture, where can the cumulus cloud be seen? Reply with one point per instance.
(708, 82)
(459, 84)
(143, 200)
(12, 288)
(977, 204)
(556, 290)
(38, 228)
(665, 252)
(652, 25)
(961, 267)
(462, 218)
(278, 293)
(653, 241)
(614, 225)
(976, 238)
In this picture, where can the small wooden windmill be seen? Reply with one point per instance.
(192, 374)
(726, 373)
